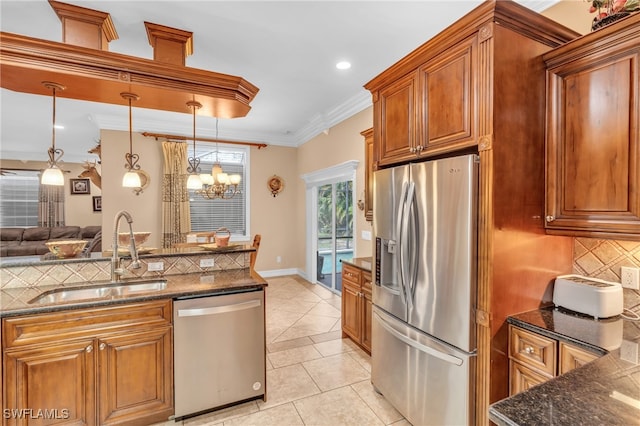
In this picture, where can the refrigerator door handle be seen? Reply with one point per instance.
(401, 242)
(419, 346)
(405, 246)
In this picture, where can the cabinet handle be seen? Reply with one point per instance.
(550, 218)
(412, 149)
(102, 346)
(529, 350)
(89, 348)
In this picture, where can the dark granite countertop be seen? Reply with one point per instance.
(363, 263)
(603, 392)
(16, 301)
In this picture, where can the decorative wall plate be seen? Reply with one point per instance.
(275, 184)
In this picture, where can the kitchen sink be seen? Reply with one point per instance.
(98, 292)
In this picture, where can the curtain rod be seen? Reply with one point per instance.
(184, 138)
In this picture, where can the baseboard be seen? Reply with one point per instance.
(280, 272)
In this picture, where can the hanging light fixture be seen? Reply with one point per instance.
(52, 175)
(131, 178)
(194, 181)
(219, 184)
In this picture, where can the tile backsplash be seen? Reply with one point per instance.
(604, 258)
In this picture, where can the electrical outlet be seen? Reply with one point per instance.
(629, 351)
(630, 277)
(278, 259)
(155, 266)
(207, 263)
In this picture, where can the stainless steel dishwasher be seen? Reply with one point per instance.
(219, 351)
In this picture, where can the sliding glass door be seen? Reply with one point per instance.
(334, 237)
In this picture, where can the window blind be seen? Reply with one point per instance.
(19, 199)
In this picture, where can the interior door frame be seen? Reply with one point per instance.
(334, 174)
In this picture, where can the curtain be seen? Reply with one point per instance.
(176, 216)
(50, 205)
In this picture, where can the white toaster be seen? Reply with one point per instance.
(591, 296)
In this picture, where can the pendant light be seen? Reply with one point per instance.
(52, 175)
(194, 181)
(131, 178)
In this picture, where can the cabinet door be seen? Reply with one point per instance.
(593, 147)
(351, 310)
(368, 174)
(533, 350)
(522, 378)
(449, 99)
(367, 305)
(396, 115)
(572, 357)
(58, 379)
(135, 377)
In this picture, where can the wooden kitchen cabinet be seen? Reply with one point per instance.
(534, 359)
(593, 134)
(368, 173)
(356, 305)
(109, 365)
(431, 110)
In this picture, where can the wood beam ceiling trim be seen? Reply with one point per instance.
(189, 138)
(100, 76)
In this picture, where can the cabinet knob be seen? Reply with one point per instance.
(412, 149)
(102, 346)
(89, 348)
(529, 350)
(550, 218)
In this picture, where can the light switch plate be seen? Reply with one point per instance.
(207, 263)
(155, 266)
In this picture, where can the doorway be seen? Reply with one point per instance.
(330, 226)
(335, 231)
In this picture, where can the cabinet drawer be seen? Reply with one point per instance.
(79, 323)
(532, 350)
(366, 282)
(572, 357)
(351, 273)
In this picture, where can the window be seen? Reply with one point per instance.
(209, 215)
(19, 198)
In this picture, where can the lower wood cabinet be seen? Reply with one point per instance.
(534, 359)
(100, 366)
(356, 305)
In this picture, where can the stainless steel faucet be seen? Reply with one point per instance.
(116, 270)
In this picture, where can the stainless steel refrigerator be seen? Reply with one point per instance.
(423, 354)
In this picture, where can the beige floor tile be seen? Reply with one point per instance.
(218, 417)
(362, 358)
(317, 323)
(287, 384)
(338, 407)
(289, 344)
(337, 327)
(281, 415)
(324, 309)
(403, 422)
(335, 371)
(333, 347)
(297, 306)
(335, 301)
(274, 332)
(293, 356)
(376, 402)
(294, 333)
(168, 423)
(331, 335)
(281, 318)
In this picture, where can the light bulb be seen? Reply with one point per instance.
(131, 180)
(223, 178)
(207, 179)
(52, 176)
(234, 179)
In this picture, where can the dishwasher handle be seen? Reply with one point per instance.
(198, 312)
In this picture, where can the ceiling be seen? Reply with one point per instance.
(288, 49)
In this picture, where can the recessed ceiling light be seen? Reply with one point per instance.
(343, 65)
(59, 126)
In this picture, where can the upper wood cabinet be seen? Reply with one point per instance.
(368, 174)
(431, 110)
(593, 134)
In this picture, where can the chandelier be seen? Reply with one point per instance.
(218, 184)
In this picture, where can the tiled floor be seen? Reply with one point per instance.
(313, 376)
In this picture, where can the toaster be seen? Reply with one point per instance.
(590, 296)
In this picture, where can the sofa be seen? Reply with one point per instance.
(31, 241)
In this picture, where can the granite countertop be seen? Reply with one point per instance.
(603, 392)
(16, 301)
(363, 263)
